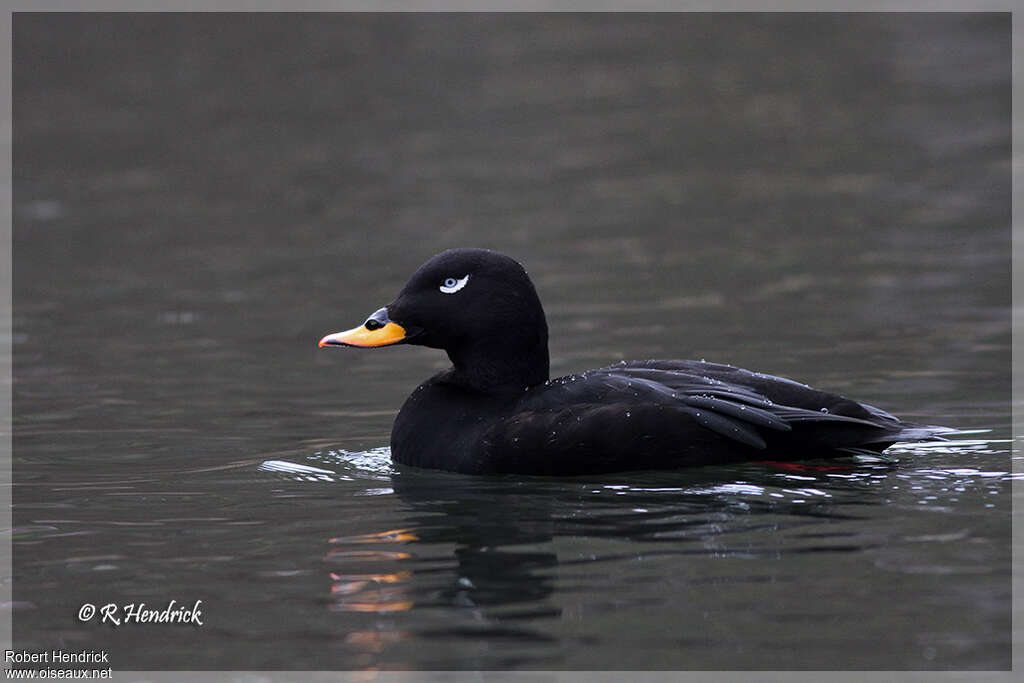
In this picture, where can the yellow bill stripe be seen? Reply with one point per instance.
(391, 333)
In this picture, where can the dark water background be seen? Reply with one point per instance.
(198, 198)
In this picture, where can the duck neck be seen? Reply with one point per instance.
(500, 368)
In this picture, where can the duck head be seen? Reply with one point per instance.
(480, 307)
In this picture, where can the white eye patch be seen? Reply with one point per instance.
(451, 285)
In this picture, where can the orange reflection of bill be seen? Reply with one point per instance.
(371, 606)
(390, 536)
(366, 555)
(397, 577)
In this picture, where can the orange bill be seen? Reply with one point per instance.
(390, 333)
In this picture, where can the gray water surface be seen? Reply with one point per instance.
(199, 198)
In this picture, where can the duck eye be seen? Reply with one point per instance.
(452, 285)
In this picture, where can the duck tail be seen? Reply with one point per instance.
(916, 432)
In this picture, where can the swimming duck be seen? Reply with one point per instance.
(496, 410)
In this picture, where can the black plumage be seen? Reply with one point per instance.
(495, 410)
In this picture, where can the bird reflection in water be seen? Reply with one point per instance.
(369, 591)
